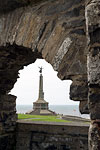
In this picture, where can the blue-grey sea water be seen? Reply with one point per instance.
(72, 110)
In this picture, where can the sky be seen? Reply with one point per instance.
(56, 92)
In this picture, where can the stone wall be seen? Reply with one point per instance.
(55, 33)
(12, 61)
(64, 33)
(7, 122)
(51, 136)
(93, 59)
(53, 30)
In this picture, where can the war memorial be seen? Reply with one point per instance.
(41, 107)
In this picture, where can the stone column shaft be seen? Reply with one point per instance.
(41, 93)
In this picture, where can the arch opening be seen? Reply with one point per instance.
(56, 92)
(16, 57)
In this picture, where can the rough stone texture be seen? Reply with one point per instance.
(9, 5)
(83, 107)
(94, 139)
(7, 141)
(55, 31)
(79, 92)
(7, 113)
(12, 61)
(32, 136)
(93, 60)
(7, 122)
(79, 88)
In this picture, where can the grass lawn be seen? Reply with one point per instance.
(41, 118)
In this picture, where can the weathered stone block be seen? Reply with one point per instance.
(94, 135)
(83, 107)
(7, 142)
(79, 91)
(94, 102)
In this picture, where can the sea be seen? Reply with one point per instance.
(72, 110)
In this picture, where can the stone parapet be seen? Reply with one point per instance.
(36, 136)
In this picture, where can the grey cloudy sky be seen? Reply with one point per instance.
(56, 92)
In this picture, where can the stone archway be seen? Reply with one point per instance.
(17, 57)
(13, 58)
(53, 30)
